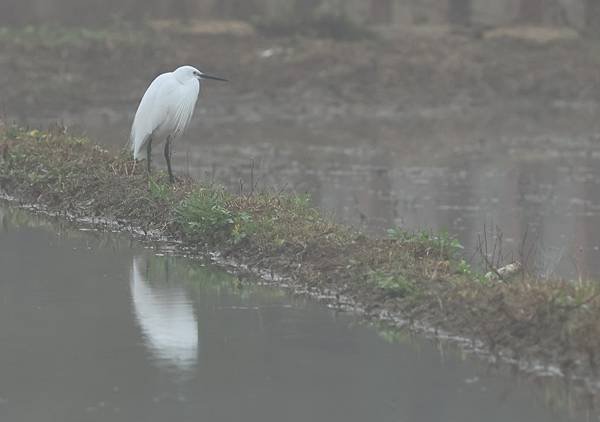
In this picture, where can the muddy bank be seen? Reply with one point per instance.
(418, 278)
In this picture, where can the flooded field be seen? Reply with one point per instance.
(529, 172)
(130, 334)
(406, 120)
(492, 135)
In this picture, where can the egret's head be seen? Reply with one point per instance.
(187, 73)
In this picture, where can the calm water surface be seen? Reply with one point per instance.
(95, 328)
(533, 173)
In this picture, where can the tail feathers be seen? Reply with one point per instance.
(137, 144)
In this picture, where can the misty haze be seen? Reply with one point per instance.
(478, 119)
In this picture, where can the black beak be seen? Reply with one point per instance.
(215, 78)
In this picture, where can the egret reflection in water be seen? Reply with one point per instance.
(165, 315)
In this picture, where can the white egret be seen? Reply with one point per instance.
(165, 111)
(165, 315)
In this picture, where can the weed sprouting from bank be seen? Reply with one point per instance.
(204, 213)
(422, 276)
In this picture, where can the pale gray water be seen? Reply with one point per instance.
(95, 328)
(375, 154)
(532, 172)
(529, 164)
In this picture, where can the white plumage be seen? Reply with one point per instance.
(165, 111)
(166, 316)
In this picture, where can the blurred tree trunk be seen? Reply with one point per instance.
(380, 11)
(531, 11)
(592, 17)
(459, 12)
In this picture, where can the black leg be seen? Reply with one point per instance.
(168, 158)
(149, 155)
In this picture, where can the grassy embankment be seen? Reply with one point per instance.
(422, 276)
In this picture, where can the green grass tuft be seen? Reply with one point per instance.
(204, 212)
(396, 285)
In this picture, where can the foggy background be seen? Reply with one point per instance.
(580, 14)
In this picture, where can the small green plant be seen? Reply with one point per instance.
(12, 132)
(396, 233)
(301, 201)
(396, 284)
(243, 226)
(448, 242)
(205, 212)
(159, 190)
(441, 243)
(463, 268)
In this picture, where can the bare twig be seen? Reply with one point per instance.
(252, 177)
(482, 252)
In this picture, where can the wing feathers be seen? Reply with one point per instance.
(165, 109)
(184, 111)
